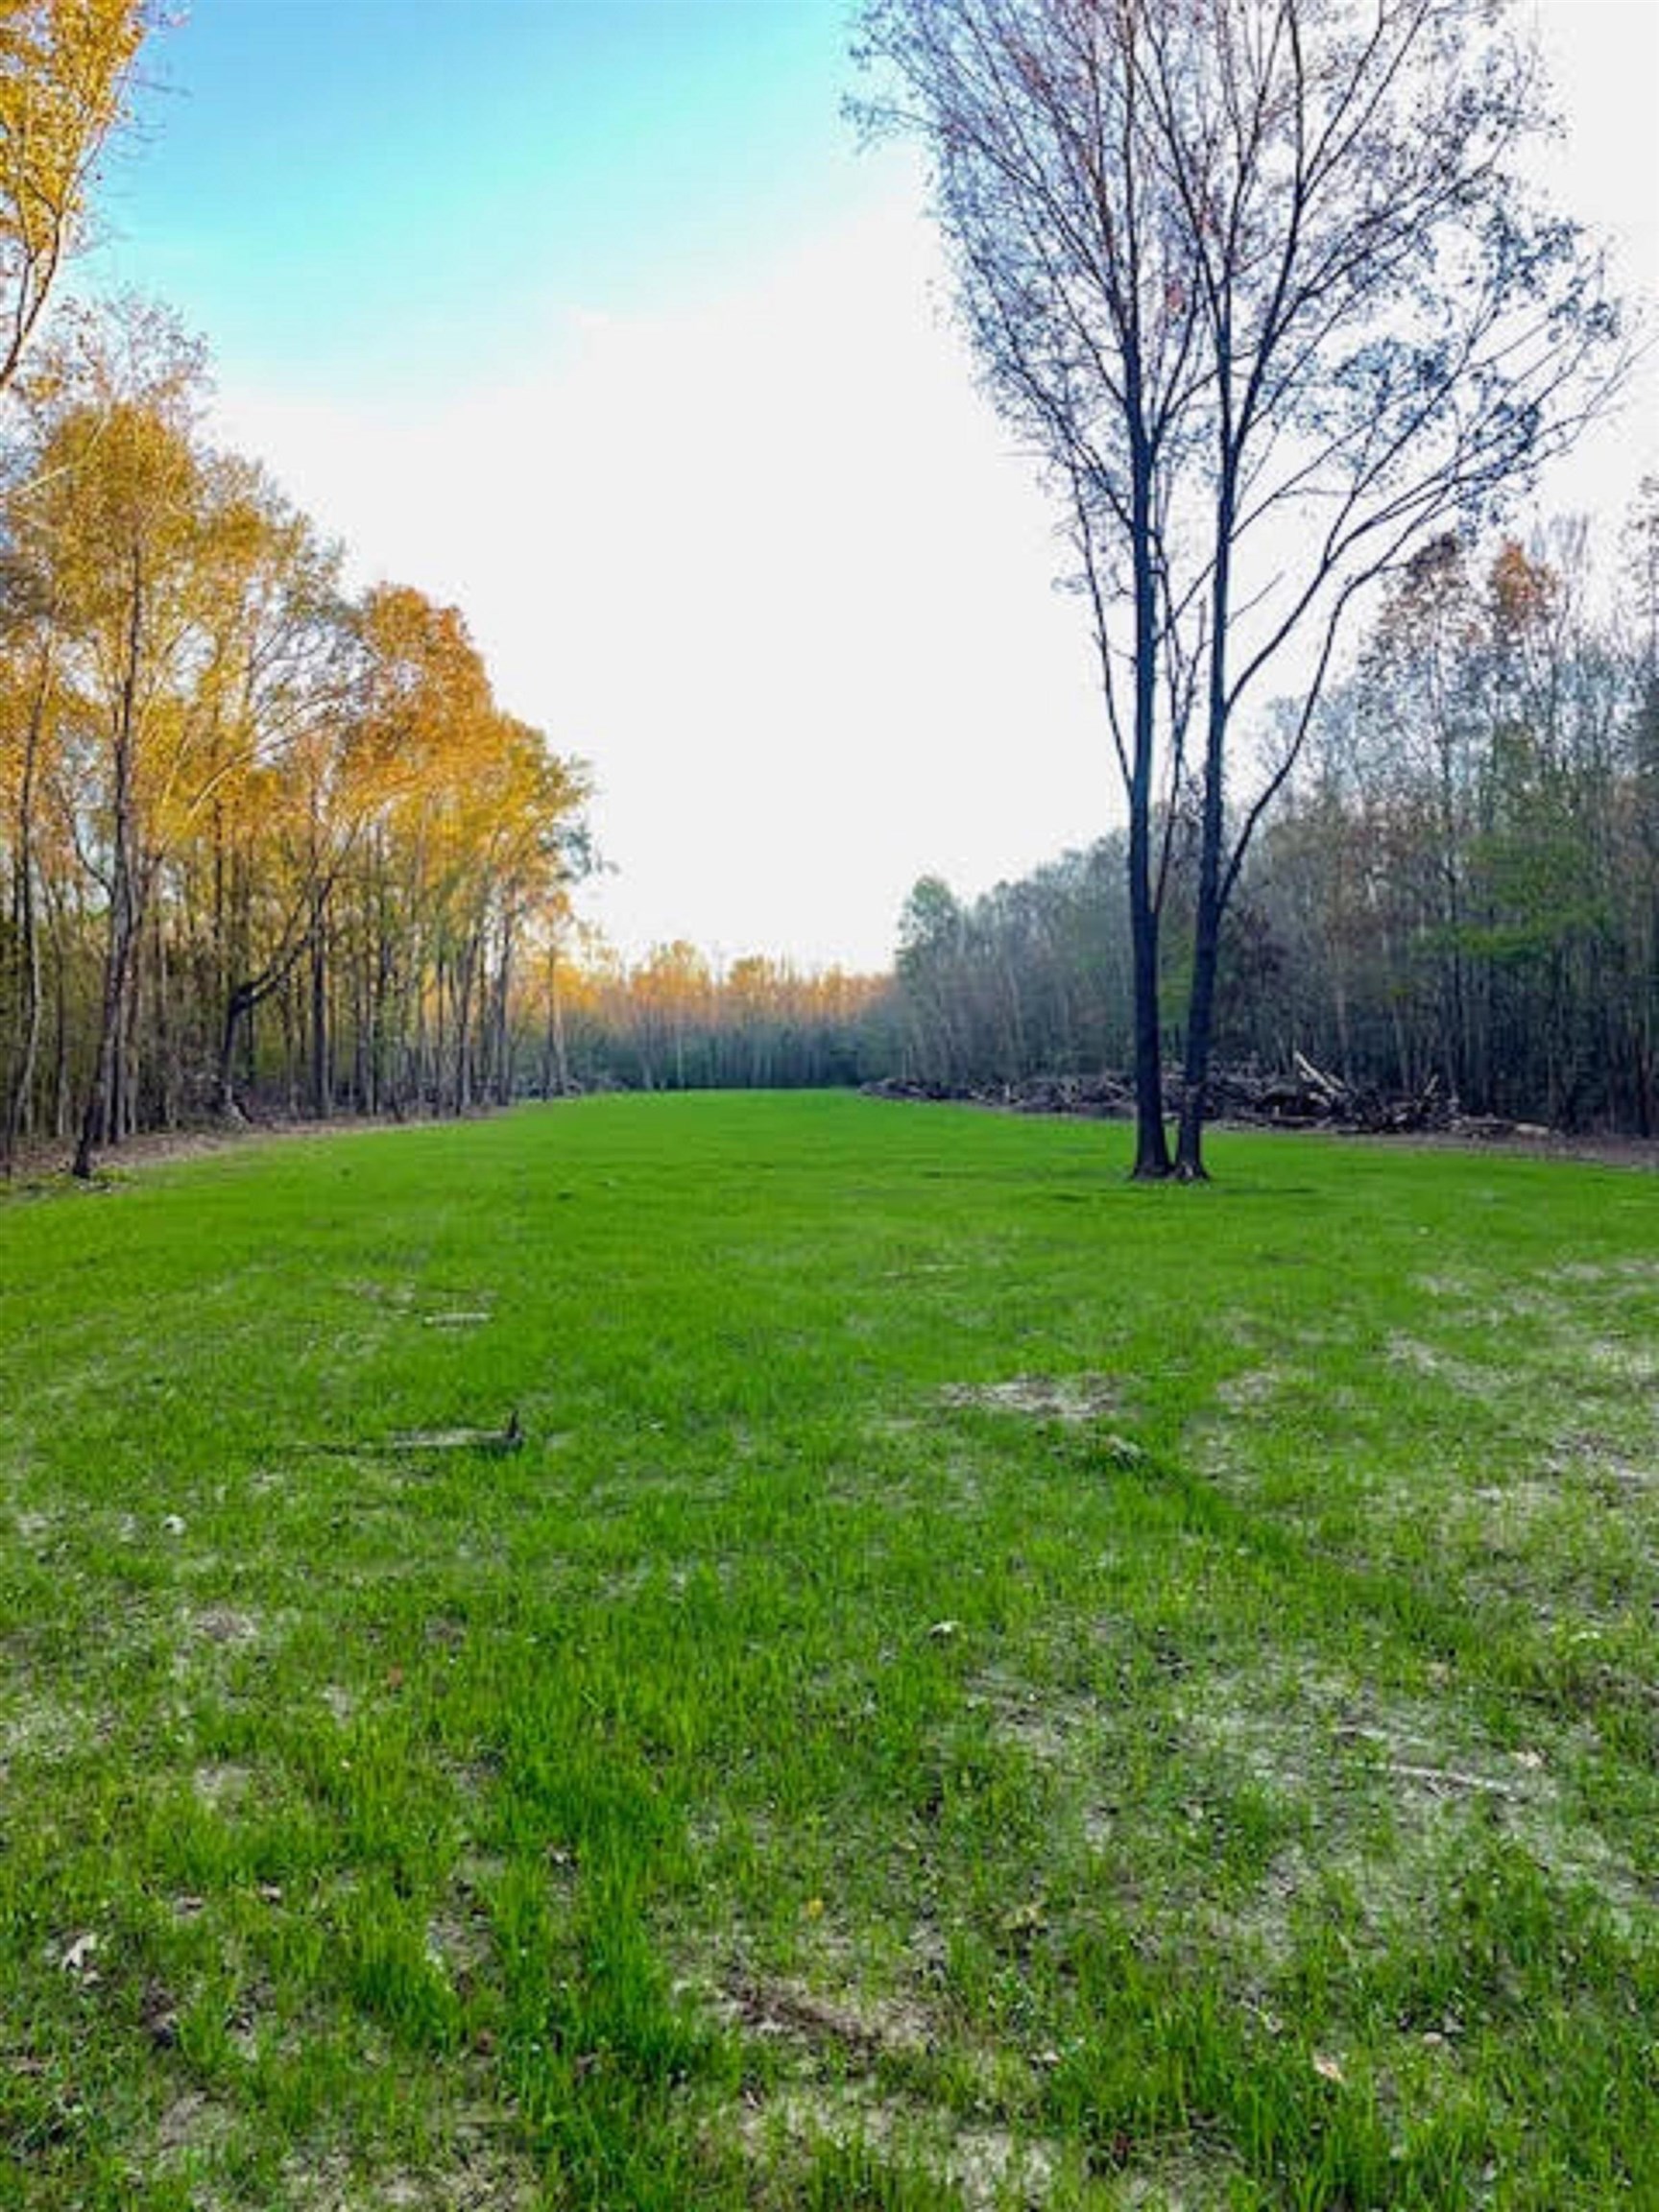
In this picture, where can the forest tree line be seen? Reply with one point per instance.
(262, 840)
(674, 1021)
(270, 845)
(1460, 884)
(270, 848)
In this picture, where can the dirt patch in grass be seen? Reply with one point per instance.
(192, 2123)
(1380, 1789)
(163, 1148)
(398, 1296)
(1626, 1270)
(459, 1944)
(1391, 1782)
(222, 1785)
(1607, 1470)
(986, 2167)
(1075, 1399)
(46, 1727)
(439, 1308)
(1052, 1726)
(1434, 1361)
(477, 2176)
(1321, 1733)
(222, 1624)
(1254, 1387)
(861, 2030)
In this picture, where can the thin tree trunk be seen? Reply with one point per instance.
(27, 1047)
(1151, 1138)
(322, 1079)
(556, 1021)
(104, 1103)
(1207, 919)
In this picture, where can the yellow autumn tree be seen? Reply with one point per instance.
(64, 70)
(272, 801)
(108, 525)
(472, 833)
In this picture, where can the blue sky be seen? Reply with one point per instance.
(590, 318)
(336, 188)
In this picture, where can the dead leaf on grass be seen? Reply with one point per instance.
(77, 1958)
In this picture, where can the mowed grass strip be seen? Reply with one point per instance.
(981, 1685)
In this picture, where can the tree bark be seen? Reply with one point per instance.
(1207, 917)
(1151, 1138)
(27, 1047)
(106, 1095)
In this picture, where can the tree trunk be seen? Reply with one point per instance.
(238, 1005)
(100, 1114)
(1206, 919)
(27, 1045)
(555, 1023)
(501, 1043)
(104, 1104)
(322, 1079)
(1151, 1138)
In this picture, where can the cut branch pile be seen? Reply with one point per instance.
(1302, 1096)
(1307, 1098)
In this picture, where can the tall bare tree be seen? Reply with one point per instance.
(1263, 285)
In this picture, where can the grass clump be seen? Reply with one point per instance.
(970, 1684)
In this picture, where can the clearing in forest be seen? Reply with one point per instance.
(772, 1651)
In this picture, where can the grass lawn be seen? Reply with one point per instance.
(983, 1685)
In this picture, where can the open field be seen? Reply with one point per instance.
(982, 1686)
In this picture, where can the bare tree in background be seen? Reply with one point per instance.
(1263, 285)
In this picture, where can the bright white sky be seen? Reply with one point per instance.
(643, 366)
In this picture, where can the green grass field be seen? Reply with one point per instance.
(983, 1686)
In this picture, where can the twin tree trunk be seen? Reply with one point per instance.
(1152, 1159)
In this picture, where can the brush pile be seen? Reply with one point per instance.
(1302, 1096)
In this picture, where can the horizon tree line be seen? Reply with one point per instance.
(1461, 887)
(267, 844)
